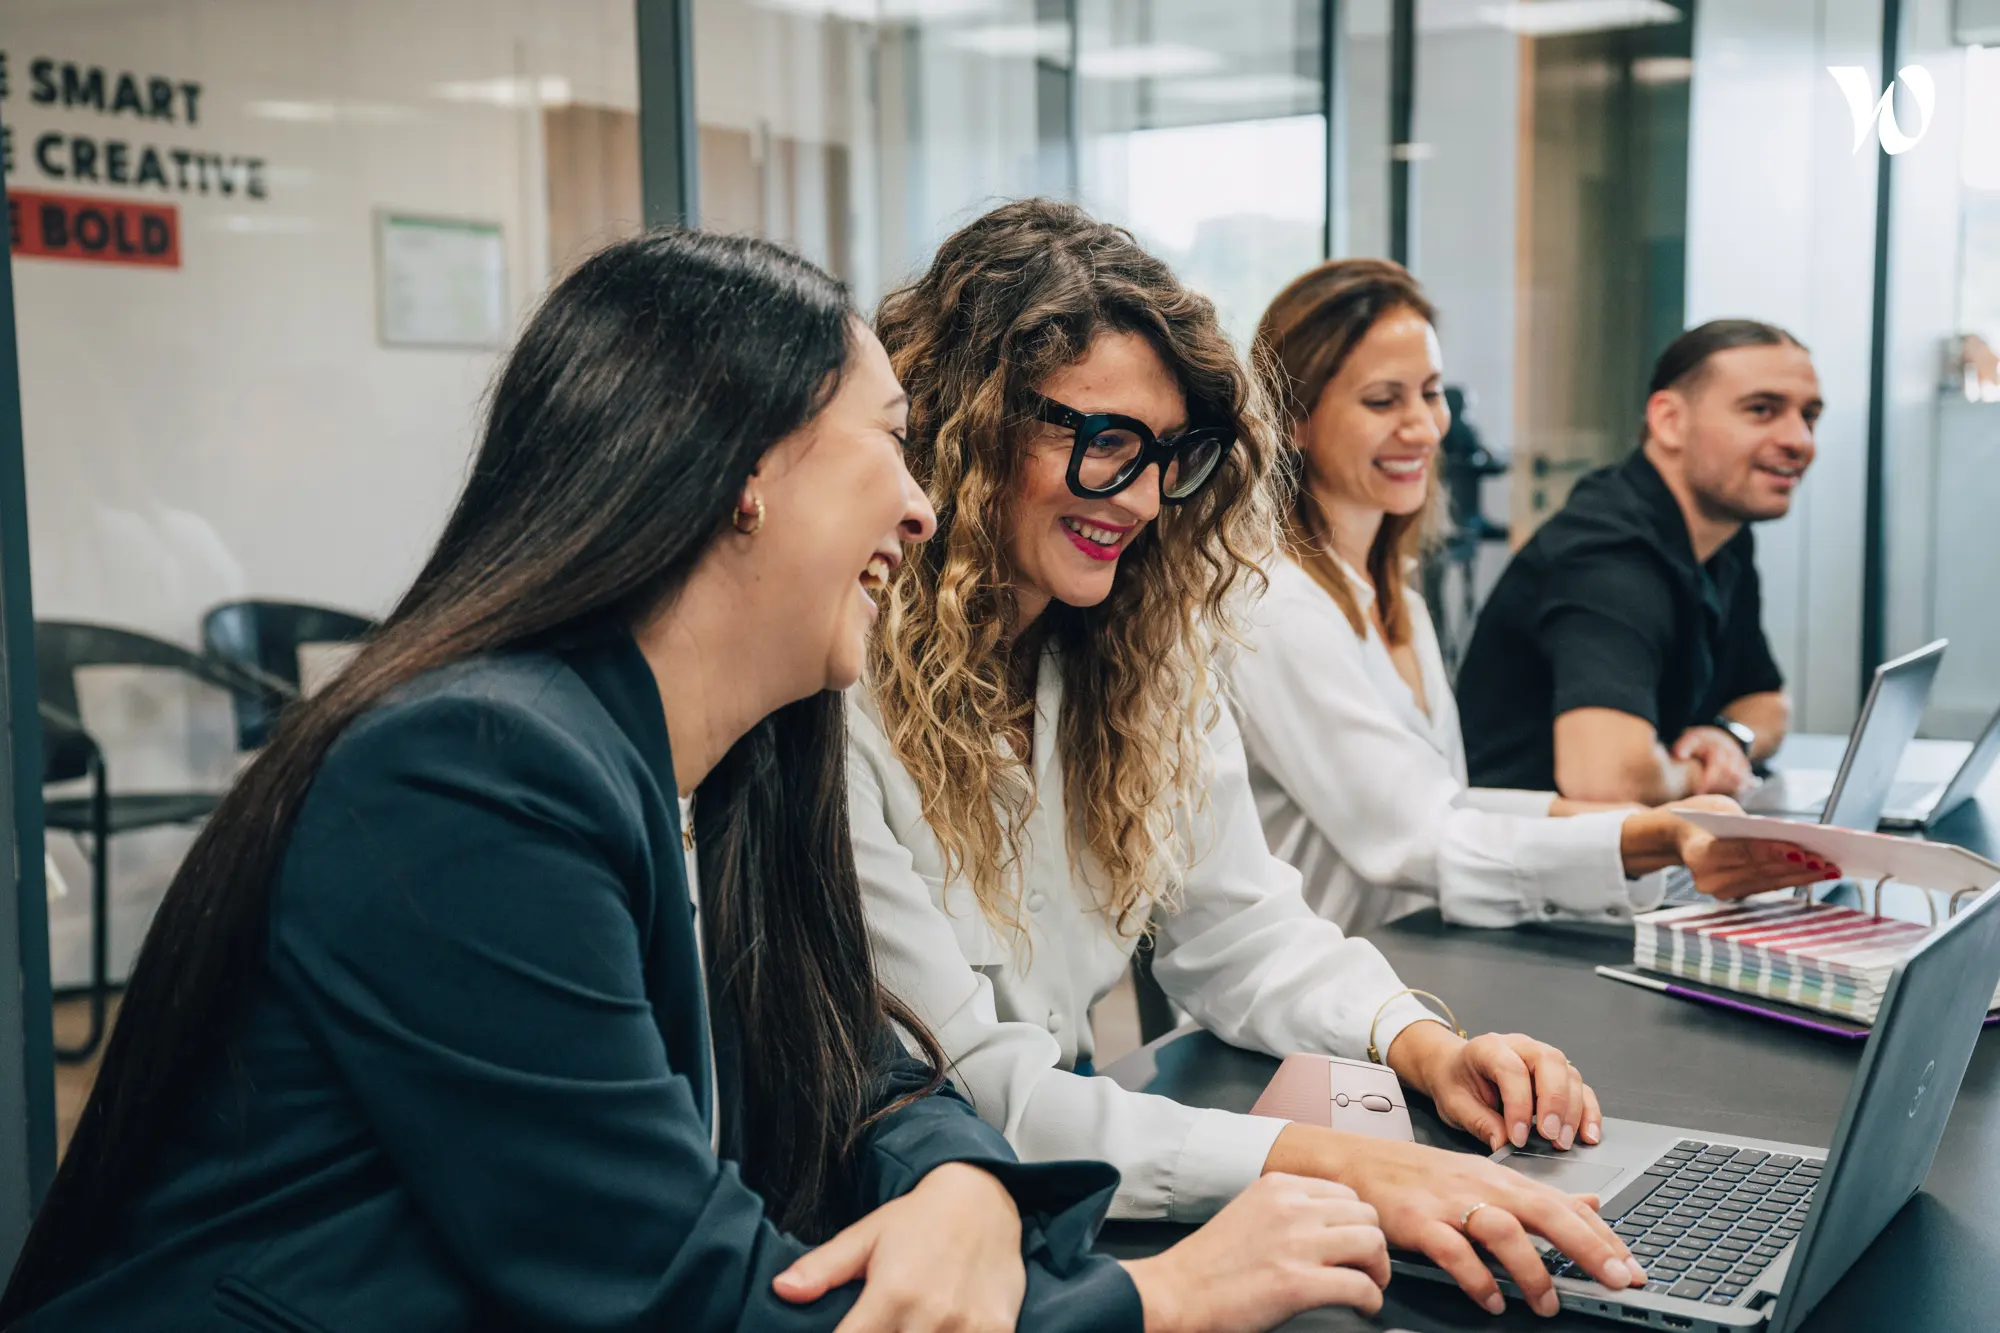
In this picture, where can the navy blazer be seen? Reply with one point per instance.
(472, 1090)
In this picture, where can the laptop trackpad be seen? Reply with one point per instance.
(1565, 1173)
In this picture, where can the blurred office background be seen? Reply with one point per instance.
(284, 412)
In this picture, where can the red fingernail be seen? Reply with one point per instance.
(1793, 856)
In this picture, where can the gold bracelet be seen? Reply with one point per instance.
(1451, 1019)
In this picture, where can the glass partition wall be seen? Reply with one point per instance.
(1941, 419)
(863, 133)
(1243, 143)
(265, 255)
(1203, 129)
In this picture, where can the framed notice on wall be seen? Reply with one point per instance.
(439, 282)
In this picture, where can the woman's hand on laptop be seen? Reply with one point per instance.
(1452, 1205)
(1499, 1087)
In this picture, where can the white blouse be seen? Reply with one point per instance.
(1243, 955)
(701, 962)
(1365, 793)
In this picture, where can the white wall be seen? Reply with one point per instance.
(1466, 193)
(1468, 119)
(233, 427)
(1363, 227)
(1942, 494)
(1781, 228)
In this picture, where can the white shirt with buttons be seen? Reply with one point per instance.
(1365, 793)
(1243, 955)
(701, 966)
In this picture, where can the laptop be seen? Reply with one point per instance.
(1740, 1233)
(1919, 805)
(1855, 795)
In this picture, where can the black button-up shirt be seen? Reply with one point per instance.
(1606, 607)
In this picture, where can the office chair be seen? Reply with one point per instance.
(1464, 464)
(70, 752)
(265, 638)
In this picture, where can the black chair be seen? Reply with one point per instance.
(70, 753)
(264, 638)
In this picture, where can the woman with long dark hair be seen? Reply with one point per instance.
(422, 1037)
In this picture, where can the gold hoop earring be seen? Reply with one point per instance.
(756, 523)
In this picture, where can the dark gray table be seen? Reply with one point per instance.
(1650, 1057)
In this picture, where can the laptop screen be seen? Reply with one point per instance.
(1965, 783)
(1889, 722)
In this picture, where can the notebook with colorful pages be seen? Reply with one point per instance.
(1792, 957)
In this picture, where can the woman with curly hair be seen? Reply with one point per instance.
(1041, 762)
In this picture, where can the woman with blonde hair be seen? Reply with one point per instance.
(1348, 719)
(1041, 762)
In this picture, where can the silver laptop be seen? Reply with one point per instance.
(1739, 1233)
(1919, 805)
(1855, 795)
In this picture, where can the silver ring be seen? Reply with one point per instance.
(1466, 1221)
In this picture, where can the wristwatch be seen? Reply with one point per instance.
(1744, 736)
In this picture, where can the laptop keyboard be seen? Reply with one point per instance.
(1713, 1220)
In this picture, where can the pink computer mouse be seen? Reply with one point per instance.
(1340, 1094)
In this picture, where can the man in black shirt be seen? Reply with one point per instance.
(1622, 655)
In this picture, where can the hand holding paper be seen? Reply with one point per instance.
(1931, 865)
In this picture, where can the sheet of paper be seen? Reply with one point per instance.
(442, 282)
(1929, 865)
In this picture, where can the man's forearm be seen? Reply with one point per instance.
(1656, 779)
(1603, 755)
(1678, 778)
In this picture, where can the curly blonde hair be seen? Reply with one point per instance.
(1008, 301)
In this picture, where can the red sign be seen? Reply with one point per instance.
(102, 231)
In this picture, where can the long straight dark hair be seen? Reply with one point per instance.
(620, 433)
